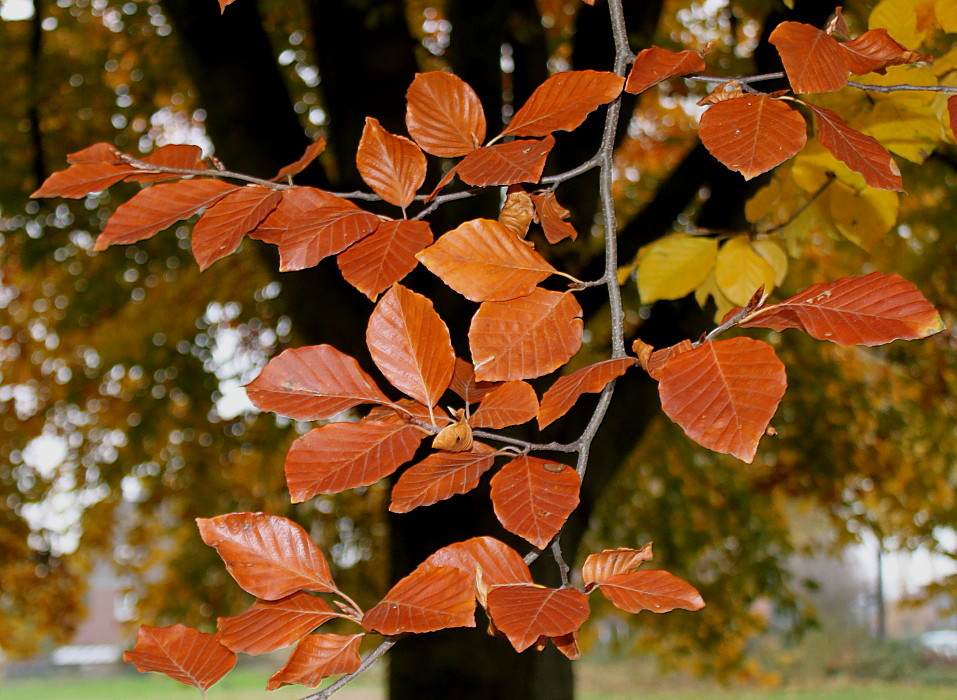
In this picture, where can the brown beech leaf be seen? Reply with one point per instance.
(101, 152)
(411, 345)
(312, 383)
(563, 101)
(952, 114)
(526, 337)
(752, 134)
(657, 591)
(82, 178)
(463, 383)
(316, 657)
(567, 644)
(506, 163)
(440, 476)
(444, 115)
(340, 456)
(869, 310)
(156, 207)
(385, 256)
(533, 497)
(173, 155)
(859, 152)
(563, 394)
(526, 612)
(875, 51)
(486, 560)
(272, 624)
(310, 224)
(313, 151)
(518, 211)
(813, 60)
(652, 65)
(612, 562)
(428, 599)
(403, 410)
(269, 556)
(221, 228)
(551, 215)
(723, 394)
(182, 653)
(223, 4)
(730, 90)
(484, 261)
(393, 166)
(512, 403)
(657, 359)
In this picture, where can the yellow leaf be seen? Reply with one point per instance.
(909, 133)
(775, 255)
(899, 18)
(947, 63)
(674, 266)
(864, 217)
(739, 271)
(812, 165)
(709, 288)
(946, 11)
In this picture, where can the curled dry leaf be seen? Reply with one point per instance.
(268, 556)
(512, 403)
(518, 211)
(654, 64)
(525, 337)
(341, 456)
(411, 345)
(611, 562)
(752, 134)
(859, 152)
(723, 394)
(429, 599)
(456, 437)
(522, 160)
(222, 227)
(316, 657)
(563, 102)
(952, 114)
(524, 613)
(551, 215)
(392, 166)
(566, 391)
(312, 383)
(487, 561)
(533, 497)
(657, 591)
(440, 476)
(313, 151)
(656, 361)
(484, 261)
(869, 310)
(444, 115)
(272, 624)
(182, 653)
(567, 644)
(310, 224)
(730, 90)
(813, 60)
(155, 208)
(385, 256)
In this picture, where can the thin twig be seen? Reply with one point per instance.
(442, 199)
(151, 168)
(904, 87)
(370, 659)
(743, 80)
(528, 446)
(592, 162)
(800, 210)
(563, 567)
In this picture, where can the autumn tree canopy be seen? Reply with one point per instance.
(120, 359)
